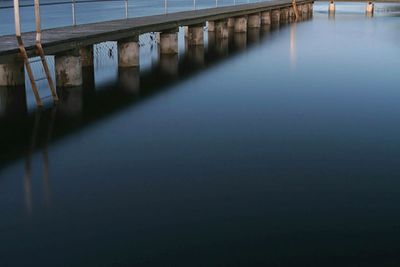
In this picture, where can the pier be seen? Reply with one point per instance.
(72, 46)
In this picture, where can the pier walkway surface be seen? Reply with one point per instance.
(66, 38)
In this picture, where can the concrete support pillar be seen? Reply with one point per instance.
(12, 74)
(369, 9)
(331, 6)
(284, 14)
(128, 52)
(211, 26)
(86, 54)
(291, 13)
(221, 29)
(305, 10)
(196, 35)
(169, 42)
(68, 67)
(240, 24)
(275, 16)
(266, 18)
(254, 21)
(231, 22)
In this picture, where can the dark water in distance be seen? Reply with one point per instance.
(282, 153)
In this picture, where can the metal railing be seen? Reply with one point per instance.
(126, 4)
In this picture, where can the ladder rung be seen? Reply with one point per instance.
(36, 60)
(41, 79)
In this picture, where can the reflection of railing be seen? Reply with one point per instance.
(125, 4)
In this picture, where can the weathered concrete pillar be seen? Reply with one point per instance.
(284, 14)
(196, 35)
(275, 16)
(86, 54)
(12, 74)
(254, 21)
(305, 10)
(231, 22)
(211, 26)
(369, 8)
(240, 24)
(169, 42)
(128, 52)
(68, 67)
(221, 29)
(266, 18)
(331, 6)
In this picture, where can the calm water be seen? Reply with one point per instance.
(281, 148)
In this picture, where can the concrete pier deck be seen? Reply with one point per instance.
(66, 38)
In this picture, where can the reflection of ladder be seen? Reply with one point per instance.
(39, 51)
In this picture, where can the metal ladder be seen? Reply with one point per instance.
(39, 51)
(296, 11)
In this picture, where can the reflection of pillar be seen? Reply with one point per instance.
(129, 79)
(169, 64)
(253, 35)
(331, 6)
(71, 101)
(240, 40)
(195, 55)
(265, 31)
(68, 67)
(46, 172)
(293, 45)
(12, 100)
(222, 47)
(240, 24)
(12, 74)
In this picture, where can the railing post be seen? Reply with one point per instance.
(126, 9)
(216, 3)
(73, 13)
(165, 6)
(194, 4)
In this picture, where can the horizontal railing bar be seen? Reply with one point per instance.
(64, 3)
